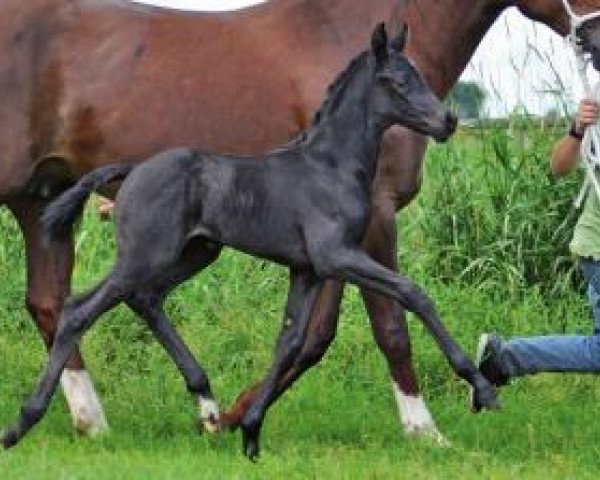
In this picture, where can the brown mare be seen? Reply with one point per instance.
(88, 82)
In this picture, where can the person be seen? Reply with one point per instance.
(500, 360)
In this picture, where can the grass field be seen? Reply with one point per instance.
(340, 420)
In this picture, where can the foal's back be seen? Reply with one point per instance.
(254, 204)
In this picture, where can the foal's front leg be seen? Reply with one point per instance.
(355, 266)
(320, 333)
(304, 287)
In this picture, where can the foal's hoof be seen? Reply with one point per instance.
(251, 449)
(484, 398)
(210, 425)
(250, 441)
(9, 439)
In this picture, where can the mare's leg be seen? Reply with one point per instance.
(48, 283)
(355, 266)
(320, 334)
(304, 287)
(396, 183)
(148, 304)
(388, 322)
(78, 315)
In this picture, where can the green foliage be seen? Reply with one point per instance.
(339, 421)
(492, 213)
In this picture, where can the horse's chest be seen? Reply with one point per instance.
(352, 208)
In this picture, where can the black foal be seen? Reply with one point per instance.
(305, 205)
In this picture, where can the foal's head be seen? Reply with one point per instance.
(400, 94)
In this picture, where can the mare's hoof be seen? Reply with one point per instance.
(9, 439)
(429, 433)
(484, 399)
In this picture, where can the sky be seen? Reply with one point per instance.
(520, 64)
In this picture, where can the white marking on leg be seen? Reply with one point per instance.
(84, 404)
(209, 414)
(415, 417)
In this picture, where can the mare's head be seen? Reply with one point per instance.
(400, 94)
(554, 13)
(588, 36)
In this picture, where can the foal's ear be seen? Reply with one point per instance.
(379, 44)
(399, 41)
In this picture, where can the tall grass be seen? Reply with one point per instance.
(493, 214)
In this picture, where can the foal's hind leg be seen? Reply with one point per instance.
(78, 316)
(148, 304)
(150, 309)
(48, 284)
(304, 287)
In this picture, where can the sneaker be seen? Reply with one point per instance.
(488, 360)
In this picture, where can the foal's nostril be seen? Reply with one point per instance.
(451, 122)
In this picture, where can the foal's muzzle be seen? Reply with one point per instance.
(449, 124)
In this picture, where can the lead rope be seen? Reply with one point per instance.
(590, 144)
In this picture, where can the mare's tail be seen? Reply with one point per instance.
(58, 217)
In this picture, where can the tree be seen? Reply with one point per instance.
(467, 98)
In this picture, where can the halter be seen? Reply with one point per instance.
(590, 145)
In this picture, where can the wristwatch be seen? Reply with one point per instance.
(574, 133)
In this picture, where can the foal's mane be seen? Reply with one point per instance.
(333, 95)
(336, 89)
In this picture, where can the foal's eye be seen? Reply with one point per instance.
(394, 80)
(401, 78)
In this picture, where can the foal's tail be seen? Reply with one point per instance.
(58, 217)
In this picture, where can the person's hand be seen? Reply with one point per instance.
(587, 114)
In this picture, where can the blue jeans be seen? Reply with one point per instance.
(559, 353)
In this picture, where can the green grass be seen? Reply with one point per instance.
(340, 420)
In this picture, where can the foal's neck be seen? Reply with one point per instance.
(348, 138)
